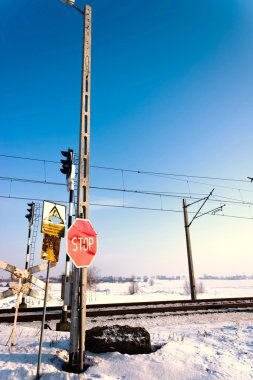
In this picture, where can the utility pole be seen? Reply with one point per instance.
(187, 225)
(189, 252)
(30, 217)
(78, 314)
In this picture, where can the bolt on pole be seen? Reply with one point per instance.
(77, 332)
(189, 252)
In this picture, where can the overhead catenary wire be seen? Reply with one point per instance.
(125, 207)
(192, 195)
(139, 192)
(170, 174)
(93, 204)
(29, 180)
(149, 192)
(29, 158)
(136, 170)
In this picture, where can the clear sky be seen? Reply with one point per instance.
(172, 92)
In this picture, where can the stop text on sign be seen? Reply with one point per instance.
(82, 243)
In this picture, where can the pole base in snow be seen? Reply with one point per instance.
(74, 368)
(63, 326)
(23, 305)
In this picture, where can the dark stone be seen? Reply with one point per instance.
(124, 339)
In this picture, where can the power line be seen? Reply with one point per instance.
(127, 207)
(162, 174)
(233, 216)
(138, 192)
(170, 174)
(163, 194)
(30, 199)
(95, 204)
(14, 179)
(29, 158)
(136, 207)
(211, 185)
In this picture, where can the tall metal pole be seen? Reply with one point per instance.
(28, 247)
(43, 322)
(189, 252)
(64, 325)
(77, 348)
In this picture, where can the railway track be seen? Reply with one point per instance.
(135, 309)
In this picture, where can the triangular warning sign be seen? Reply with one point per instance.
(54, 212)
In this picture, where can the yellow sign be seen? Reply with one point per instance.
(52, 228)
(52, 211)
(52, 231)
(50, 248)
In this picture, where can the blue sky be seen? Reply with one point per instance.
(172, 91)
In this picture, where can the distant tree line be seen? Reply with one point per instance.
(162, 277)
(95, 278)
(113, 279)
(123, 279)
(232, 277)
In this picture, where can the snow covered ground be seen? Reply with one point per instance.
(171, 290)
(160, 290)
(193, 346)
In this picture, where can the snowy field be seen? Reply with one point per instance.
(192, 347)
(171, 290)
(160, 290)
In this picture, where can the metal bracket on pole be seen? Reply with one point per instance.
(213, 211)
(205, 200)
(188, 240)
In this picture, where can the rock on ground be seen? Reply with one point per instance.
(124, 339)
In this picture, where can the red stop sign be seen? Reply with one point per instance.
(81, 243)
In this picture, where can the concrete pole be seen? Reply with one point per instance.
(189, 252)
(77, 347)
(84, 165)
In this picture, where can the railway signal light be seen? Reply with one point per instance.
(68, 167)
(66, 164)
(30, 210)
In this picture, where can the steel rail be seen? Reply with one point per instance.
(140, 303)
(135, 308)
